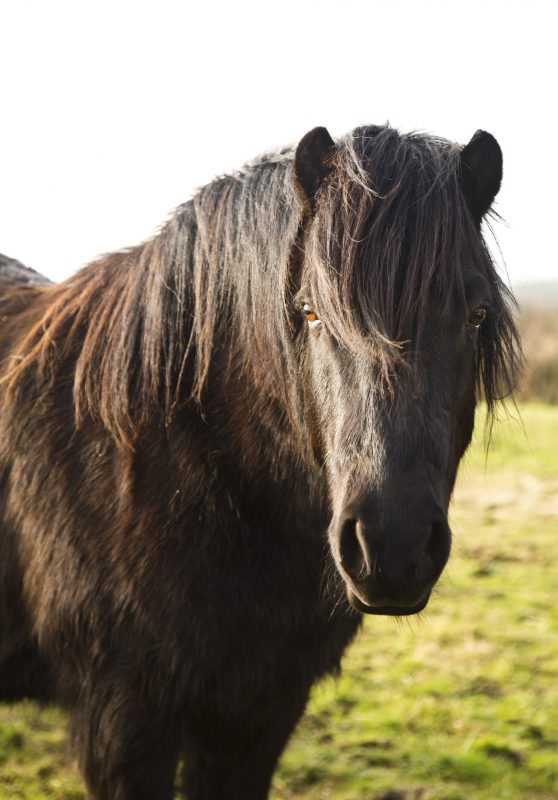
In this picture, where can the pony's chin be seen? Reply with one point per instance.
(387, 610)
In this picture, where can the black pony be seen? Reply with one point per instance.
(220, 447)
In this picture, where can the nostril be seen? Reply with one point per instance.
(352, 550)
(438, 546)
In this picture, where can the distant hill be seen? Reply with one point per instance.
(537, 295)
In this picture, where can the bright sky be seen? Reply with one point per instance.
(114, 112)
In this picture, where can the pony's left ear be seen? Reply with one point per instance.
(481, 172)
(312, 163)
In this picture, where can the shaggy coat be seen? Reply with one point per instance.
(220, 447)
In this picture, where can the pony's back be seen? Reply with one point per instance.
(13, 271)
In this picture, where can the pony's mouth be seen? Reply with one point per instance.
(387, 610)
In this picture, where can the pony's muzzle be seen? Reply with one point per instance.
(390, 565)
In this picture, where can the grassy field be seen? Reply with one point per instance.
(459, 704)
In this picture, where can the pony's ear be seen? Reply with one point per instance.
(481, 172)
(312, 163)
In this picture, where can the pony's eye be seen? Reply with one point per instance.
(311, 317)
(477, 317)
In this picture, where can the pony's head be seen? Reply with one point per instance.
(403, 322)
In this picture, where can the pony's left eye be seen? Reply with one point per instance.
(477, 317)
(311, 317)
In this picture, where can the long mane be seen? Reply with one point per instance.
(144, 326)
(144, 330)
(392, 246)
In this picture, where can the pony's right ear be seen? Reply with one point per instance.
(312, 164)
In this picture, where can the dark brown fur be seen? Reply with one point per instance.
(166, 481)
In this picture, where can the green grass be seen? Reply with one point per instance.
(524, 442)
(459, 704)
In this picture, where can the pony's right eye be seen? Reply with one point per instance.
(311, 317)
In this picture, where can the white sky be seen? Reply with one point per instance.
(112, 113)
